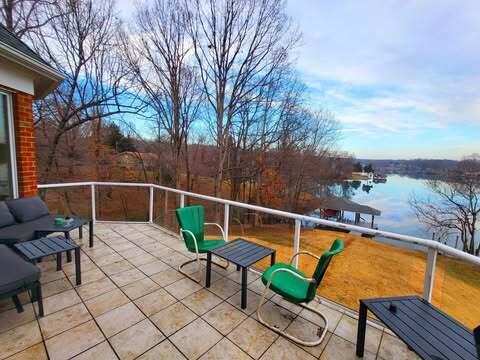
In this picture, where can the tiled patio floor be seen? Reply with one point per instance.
(134, 304)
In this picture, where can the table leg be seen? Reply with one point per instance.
(244, 287)
(80, 232)
(90, 233)
(69, 253)
(39, 299)
(238, 267)
(209, 269)
(272, 258)
(59, 261)
(362, 327)
(78, 273)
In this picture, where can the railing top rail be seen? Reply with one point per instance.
(403, 238)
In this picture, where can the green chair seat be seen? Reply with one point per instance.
(287, 285)
(205, 245)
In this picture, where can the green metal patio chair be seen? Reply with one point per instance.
(295, 287)
(191, 220)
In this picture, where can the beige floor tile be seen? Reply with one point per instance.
(174, 260)
(46, 277)
(95, 288)
(153, 267)
(237, 276)
(11, 318)
(106, 302)
(35, 352)
(19, 338)
(252, 337)
(164, 278)
(117, 267)
(224, 318)
(393, 348)
(60, 301)
(201, 301)
(119, 319)
(140, 288)
(85, 265)
(276, 315)
(258, 287)
(88, 276)
(224, 288)
(153, 246)
(163, 253)
(107, 259)
(333, 316)
(62, 320)
(182, 288)
(225, 350)
(127, 277)
(252, 301)
(341, 349)
(154, 302)
(277, 299)
(195, 338)
(132, 252)
(102, 351)
(74, 341)
(122, 245)
(142, 259)
(347, 329)
(283, 349)
(163, 351)
(173, 318)
(56, 287)
(135, 340)
(308, 331)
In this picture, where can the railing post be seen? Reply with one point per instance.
(94, 206)
(430, 274)
(296, 241)
(226, 218)
(150, 206)
(182, 200)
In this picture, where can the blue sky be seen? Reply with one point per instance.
(401, 76)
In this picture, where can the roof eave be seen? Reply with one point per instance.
(50, 77)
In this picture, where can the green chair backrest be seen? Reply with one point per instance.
(322, 265)
(191, 218)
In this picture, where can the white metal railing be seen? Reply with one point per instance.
(432, 246)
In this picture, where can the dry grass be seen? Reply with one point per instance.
(368, 269)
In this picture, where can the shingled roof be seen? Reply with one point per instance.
(10, 39)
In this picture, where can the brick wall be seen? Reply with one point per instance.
(25, 144)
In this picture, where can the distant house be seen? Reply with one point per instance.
(134, 160)
(24, 76)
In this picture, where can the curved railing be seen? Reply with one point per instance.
(433, 247)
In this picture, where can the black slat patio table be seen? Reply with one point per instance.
(242, 253)
(55, 245)
(426, 330)
(74, 223)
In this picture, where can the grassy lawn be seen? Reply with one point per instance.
(369, 269)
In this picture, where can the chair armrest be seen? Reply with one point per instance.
(303, 253)
(310, 280)
(193, 236)
(217, 225)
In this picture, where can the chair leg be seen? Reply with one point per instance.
(18, 304)
(181, 271)
(284, 333)
(39, 299)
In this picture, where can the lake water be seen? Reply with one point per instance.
(392, 199)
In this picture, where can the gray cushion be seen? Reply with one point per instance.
(15, 272)
(27, 209)
(6, 217)
(17, 233)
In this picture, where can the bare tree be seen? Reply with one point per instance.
(455, 206)
(25, 16)
(237, 45)
(157, 57)
(81, 42)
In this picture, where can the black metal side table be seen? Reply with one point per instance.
(55, 245)
(242, 253)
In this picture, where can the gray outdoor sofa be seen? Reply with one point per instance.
(19, 218)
